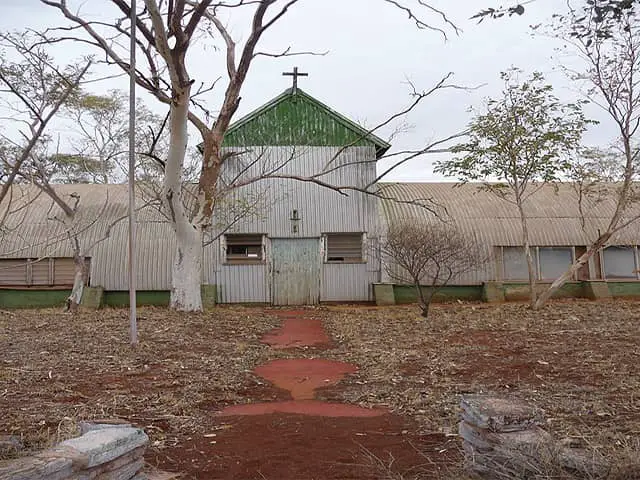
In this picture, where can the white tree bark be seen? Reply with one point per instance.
(186, 276)
(78, 284)
(187, 264)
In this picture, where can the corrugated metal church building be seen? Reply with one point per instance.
(305, 243)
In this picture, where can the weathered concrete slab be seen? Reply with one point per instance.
(101, 446)
(92, 297)
(209, 295)
(486, 440)
(120, 468)
(383, 293)
(596, 290)
(10, 444)
(37, 468)
(492, 292)
(123, 472)
(102, 424)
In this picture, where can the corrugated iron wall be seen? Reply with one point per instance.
(552, 212)
(320, 210)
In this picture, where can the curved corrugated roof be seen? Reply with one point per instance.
(552, 212)
(36, 232)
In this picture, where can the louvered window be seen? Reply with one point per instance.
(344, 247)
(244, 248)
(47, 272)
(13, 272)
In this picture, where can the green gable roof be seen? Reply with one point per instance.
(296, 118)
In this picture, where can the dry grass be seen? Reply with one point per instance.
(577, 360)
(58, 369)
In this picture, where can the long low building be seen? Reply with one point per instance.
(36, 265)
(562, 223)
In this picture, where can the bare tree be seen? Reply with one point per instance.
(98, 149)
(165, 32)
(609, 42)
(32, 91)
(429, 255)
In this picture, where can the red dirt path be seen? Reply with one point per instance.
(297, 332)
(314, 408)
(308, 439)
(302, 376)
(303, 447)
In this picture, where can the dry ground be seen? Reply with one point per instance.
(578, 360)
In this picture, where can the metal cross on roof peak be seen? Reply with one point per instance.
(295, 74)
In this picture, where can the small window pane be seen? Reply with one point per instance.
(515, 263)
(244, 248)
(554, 261)
(620, 262)
(344, 247)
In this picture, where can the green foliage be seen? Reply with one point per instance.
(525, 137)
(100, 126)
(517, 9)
(70, 168)
(606, 12)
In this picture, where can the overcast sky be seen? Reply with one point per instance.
(372, 50)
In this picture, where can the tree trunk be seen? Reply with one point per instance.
(187, 264)
(573, 269)
(78, 283)
(527, 252)
(186, 277)
(423, 300)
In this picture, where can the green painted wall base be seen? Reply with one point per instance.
(596, 290)
(624, 289)
(408, 294)
(33, 298)
(390, 294)
(143, 298)
(520, 291)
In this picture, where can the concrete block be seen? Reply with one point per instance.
(123, 468)
(37, 468)
(383, 293)
(102, 446)
(92, 297)
(102, 424)
(209, 296)
(10, 444)
(493, 292)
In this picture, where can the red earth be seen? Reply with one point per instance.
(304, 438)
(302, 376)
(297, 332)
(306, 447)
(303, 407)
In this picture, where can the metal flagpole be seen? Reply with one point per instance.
(133, 322)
